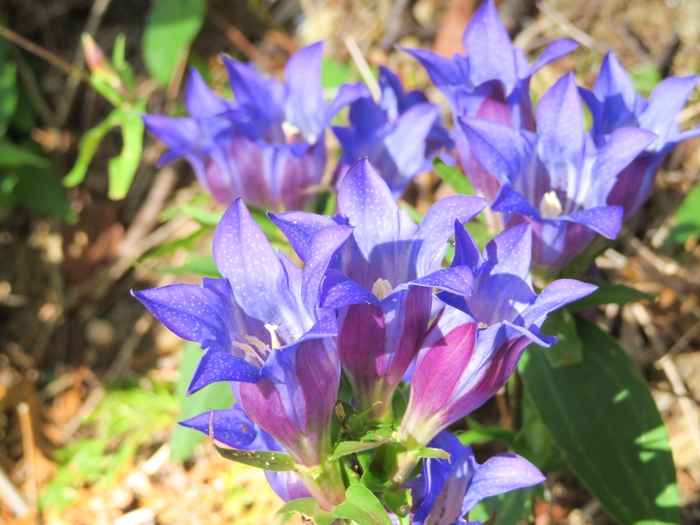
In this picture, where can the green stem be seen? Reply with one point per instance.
(325, 483)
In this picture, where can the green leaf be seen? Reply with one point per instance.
(510, 508)
(87, 147)
(334, 73)
(345, 448)
(306, 507)
(567, 350)
(645, 77)
(202, 216)
(609, 294)
(171, 28)
(14, 156)
(184, 242)
(9, 94)
(123, 167)
(275, 461)
(687, 219)
(602, 416)
(454, 178)
(399, 501)
(215, 396)
(37, 188)
(479, 433)
(362, 507)
(429, 452)
(204, 267)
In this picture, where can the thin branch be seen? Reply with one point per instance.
(44, 53)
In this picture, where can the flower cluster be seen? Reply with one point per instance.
(377, 346)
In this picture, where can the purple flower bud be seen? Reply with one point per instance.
(400, 135)
(382, 279)
(492, 82)
(614, 104)
(267, 145)
(558, 179)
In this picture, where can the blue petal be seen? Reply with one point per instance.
(665, 102)
(559, 293)
(324, 247)
(509, 200)
(305, 106)
(554, 51)
(300, 227)
(230, 427)
(194, 312)
(500, 149)
(366, 201)
(488, 47)
(466, 250)
(560, 126)
(338, 290)
(437, 227)
(200, 100)
(218, 365)
(606, 220)
(445, 73)
(500, 474)
(457, 279)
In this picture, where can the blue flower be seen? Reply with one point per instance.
(267, 145)
(492, 82)
(381, 281)
(615, 104)
(558, 179)
(400, 135)
(263, 331)
(448, 490)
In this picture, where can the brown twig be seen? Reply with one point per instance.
(568, 28)
(126, 353)
(12, 497)
(25, 422)
(239, 40)
(43, 53)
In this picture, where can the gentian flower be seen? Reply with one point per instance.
(400, 135)
(261, 330)
(558, 179)
(268, 145)
(614, 104)
(475, 343)
(234, 428)
(448, 490)
(381, 281)
(491, 82)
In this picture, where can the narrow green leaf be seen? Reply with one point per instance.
(215, 396)
(429, 453)
(202, 216)
(345, 448)
(454, 178)
(645, 78)
(479, 433)
(307, 507)
(184, 242)
(413, 213)
(362, 507)
(87, 147)
(275, 461)
(609, 294)
(9, 94)
(204, 267)
(123, 168)
(171, 28)
(601, 414)
(687, 219)
(567, 350)
(14, 156)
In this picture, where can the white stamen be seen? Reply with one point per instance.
(550, 206)
(289, 129)
(273, 335)
(381, 288)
